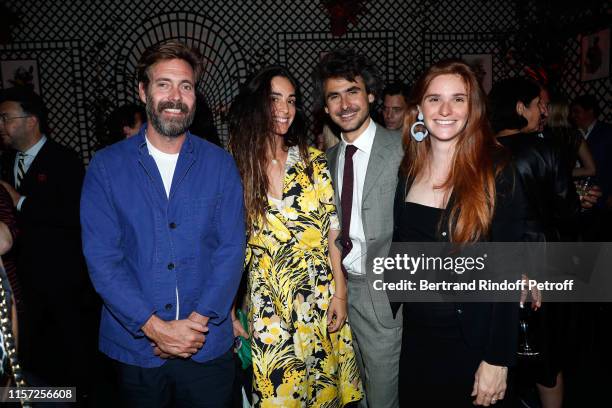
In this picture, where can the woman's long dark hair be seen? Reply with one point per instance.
(251, 131)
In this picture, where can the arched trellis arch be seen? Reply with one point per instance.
(224, 66)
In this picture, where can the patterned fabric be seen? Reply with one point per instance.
(296, 362)
(20, 168)
(5, 323)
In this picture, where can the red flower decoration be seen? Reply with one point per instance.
(343, 12)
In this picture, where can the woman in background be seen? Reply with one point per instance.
(515, 111)
(302, 346)
(455, 185)
(569, 139)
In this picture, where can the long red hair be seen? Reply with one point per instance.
(472, 174)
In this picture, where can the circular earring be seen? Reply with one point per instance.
(420, 135)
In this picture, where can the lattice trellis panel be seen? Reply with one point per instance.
(303, 51)
(572, 86)
(239, 36)
(224, 65)
(59, 70)
(456, 45)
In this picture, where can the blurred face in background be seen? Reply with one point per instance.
(532, 113)
(544, 106)
(394, 110)
(129, 131)
(16, 126)
(581, 117)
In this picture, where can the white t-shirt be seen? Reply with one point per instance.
(166, 163)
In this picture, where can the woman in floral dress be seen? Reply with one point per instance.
(302, 348)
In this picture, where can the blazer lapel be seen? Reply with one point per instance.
(376, 165)
(333, 169)
(35, 171)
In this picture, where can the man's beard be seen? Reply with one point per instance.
(169, 127)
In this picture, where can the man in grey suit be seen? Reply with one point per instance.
(364, 167)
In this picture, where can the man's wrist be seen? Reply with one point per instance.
(151, 327)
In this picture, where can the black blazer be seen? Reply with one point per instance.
(49, 247)
(490, 327)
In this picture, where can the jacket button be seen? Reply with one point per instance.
(444, 233)
(170, 266)
(459, 311)
(172, 225)
(168, 306)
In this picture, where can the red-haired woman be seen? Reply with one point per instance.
(455, 185)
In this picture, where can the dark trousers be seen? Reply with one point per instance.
(178, 383)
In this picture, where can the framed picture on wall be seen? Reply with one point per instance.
(595, 55)
(20, 73)
(482, 64)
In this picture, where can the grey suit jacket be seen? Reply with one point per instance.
(377, 209)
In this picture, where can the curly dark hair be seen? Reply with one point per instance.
(251, 127)
(345, 63)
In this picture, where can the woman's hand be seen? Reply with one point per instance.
(238, 329)
(536, 295)
(237, 326)
(336, 313)
(489, 384)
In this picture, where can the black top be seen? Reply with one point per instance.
(567, 141)
(490, 328)
(419, 223)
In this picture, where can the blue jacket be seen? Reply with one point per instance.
(141, 246)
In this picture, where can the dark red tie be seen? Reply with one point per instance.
(346, 202)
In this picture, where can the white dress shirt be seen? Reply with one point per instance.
(588, 131)
(354, 262)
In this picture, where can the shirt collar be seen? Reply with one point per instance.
(365, 140)
(141, 140)
(589, 129)
(33, 151)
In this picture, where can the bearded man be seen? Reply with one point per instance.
(163, 236)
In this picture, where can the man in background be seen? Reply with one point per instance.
(125, 121)
(395, 105)
(44, 181)
(584, 113)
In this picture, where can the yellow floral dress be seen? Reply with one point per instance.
(296, 361)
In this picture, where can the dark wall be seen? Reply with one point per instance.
(85, 51)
